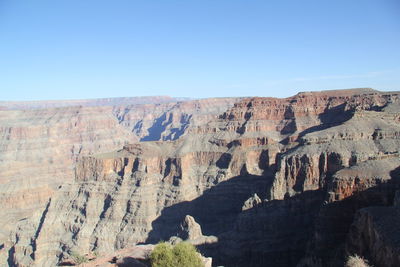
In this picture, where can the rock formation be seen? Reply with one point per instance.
(278, 182)
(190, 229)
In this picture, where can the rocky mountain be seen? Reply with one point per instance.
(300, 181)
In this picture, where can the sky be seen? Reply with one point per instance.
(74, 49)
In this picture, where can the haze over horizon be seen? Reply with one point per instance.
(167, 98)
(98, 49)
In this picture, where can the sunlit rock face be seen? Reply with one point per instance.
(275, 182)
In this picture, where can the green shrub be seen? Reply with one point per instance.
(186, 254)
(183, 254)
(162, 256)
(77, 258)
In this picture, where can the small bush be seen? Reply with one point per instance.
(77, 258)
(162, 256)
(357, 261)
(186, 255)
(183, 254)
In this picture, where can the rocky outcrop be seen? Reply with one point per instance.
(251, 202)
(276, 181)
(190, 229)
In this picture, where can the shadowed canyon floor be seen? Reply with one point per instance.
(271, 182)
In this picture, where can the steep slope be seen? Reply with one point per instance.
(278, 181)
(375, 234)
(39, 148)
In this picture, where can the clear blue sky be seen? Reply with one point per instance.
(89, 49)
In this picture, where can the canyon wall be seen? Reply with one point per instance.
(277, 182)
(40, 147)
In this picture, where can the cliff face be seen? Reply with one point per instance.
(277, 181)
(348, 147)
(375, 234)
(39, 148)
(117, 199)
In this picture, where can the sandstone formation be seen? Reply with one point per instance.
(277, 182)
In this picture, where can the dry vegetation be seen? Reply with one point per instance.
(356, 261)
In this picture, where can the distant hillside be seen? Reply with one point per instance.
(116, 101)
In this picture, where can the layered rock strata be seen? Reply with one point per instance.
(277, 181)
(169, 121)
(40, 147)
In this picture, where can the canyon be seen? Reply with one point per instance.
(300, 181)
